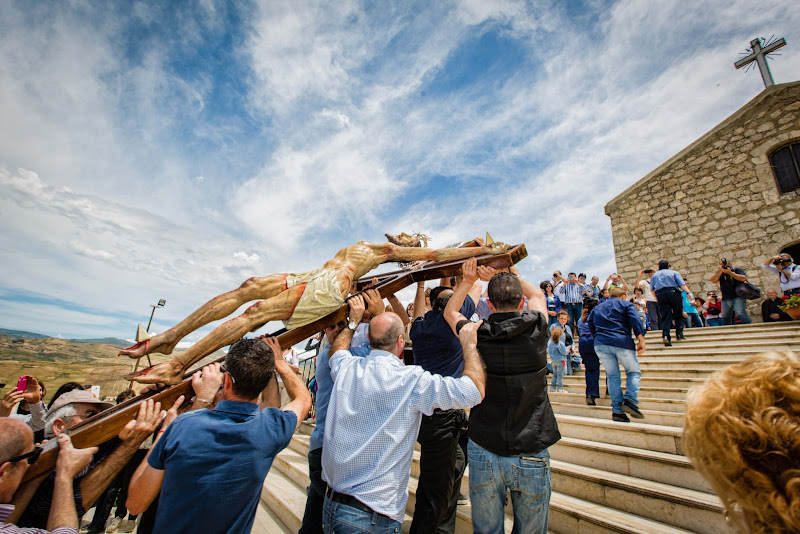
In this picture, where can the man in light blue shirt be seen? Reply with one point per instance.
(374, 415)
(667, 286)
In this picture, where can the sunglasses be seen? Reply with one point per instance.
(31, 456)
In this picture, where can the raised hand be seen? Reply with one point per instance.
(137, 430)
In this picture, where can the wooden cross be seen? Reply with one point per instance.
(759, 55)
(107, 424)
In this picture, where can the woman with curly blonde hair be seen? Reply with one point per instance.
(743, 434)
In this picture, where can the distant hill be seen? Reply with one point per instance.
(117, 342)
(21, 333)
(56, 361)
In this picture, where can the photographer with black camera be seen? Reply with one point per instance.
(787, 271)
(729, 277)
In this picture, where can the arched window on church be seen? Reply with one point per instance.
(785, 164)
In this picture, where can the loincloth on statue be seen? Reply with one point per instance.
(320, 297)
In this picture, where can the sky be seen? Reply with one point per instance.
(170, 150)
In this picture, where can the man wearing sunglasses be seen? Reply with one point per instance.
(17, 453)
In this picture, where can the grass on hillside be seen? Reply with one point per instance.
(56, 361)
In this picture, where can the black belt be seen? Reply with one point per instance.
(348, 500)
(668, 290)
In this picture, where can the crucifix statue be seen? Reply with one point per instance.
(297, 299)
(759, 55)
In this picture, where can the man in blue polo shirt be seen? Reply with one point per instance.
(611, 324)
(667, 286)
(442, 461)
(210, 465)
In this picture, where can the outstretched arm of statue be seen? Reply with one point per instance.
(398, 253)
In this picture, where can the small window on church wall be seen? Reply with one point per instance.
(786, 166)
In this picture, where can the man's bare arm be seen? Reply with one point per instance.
(452, 313)
(71, 461)
(146, 481)
(536, 297)
(300, 398)
(398, 308)
(271, 396)
(419, 301)
(473, 364)
(132, 435)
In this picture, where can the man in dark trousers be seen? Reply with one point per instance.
(442, 461)
(510, 431)
(667, 285)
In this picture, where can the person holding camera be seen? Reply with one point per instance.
(788, 273)
(729, 277)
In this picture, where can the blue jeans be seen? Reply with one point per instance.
(338, 518)
(738, 305)
(713, 321)
(611, 357)
(575, 309)
(558, 374)
(492, 476)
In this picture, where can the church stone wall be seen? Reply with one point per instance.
(715, 199)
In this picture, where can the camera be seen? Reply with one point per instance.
(725, 264)
(777, 262)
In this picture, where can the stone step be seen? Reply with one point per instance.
(755, 329)
(634, 434)
(648, 380)
(684, 508)
(673, 469)
(754, 344)
(571, 515)
(604, 412)
(656, 349)
(267, 522)
(682, 364)
(284, 498)
(645, 403)
(565, 511)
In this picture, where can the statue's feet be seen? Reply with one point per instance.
(164, 373)
(163, 343)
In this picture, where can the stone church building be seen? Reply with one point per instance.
(734, 193)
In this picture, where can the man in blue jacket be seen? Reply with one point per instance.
(611, 324)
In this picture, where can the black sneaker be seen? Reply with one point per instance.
(590, 401)
(620, 418)
(630, 408)
(681, 337)
(667, 342)
(462, 499)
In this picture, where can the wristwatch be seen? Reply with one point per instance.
(352, 325)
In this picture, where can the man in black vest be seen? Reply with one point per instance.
(510, 431)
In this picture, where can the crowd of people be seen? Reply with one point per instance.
(199, 466)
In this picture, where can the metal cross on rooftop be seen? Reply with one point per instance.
(759, 55)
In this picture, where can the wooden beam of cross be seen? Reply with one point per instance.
(759, 55)
(109, 423)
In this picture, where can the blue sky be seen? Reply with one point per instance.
(172, 149)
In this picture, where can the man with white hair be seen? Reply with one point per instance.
(68, 411)
(17, 452)
(374, 417)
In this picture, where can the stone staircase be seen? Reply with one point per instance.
(607, 477)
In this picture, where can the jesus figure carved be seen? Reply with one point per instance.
(296, 299)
